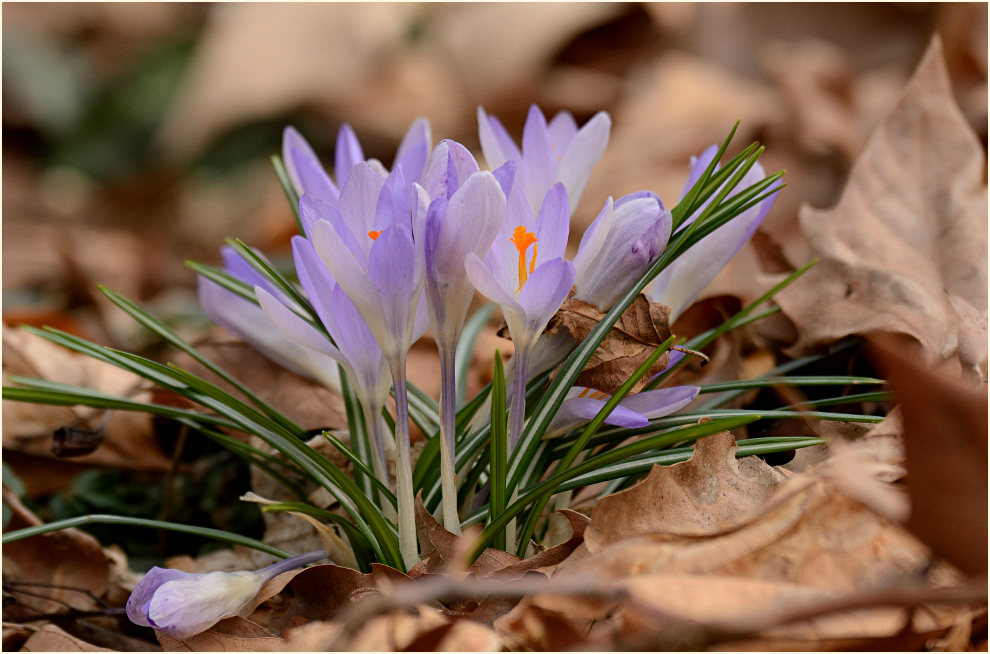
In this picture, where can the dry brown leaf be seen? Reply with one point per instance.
(908, 233)
(441, 550)
(229, 635)
(945, 446)
(710, 493)
(69, 567)
(28, 428)
(637, 333)
(321, 592)
(51, 638)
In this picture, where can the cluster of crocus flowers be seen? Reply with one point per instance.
(387, 253)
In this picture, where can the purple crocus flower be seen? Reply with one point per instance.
(526, 274)
(618, 247)
(308, 175)
(583, 404)
(183, 604)
(551, 153)
(463, 218)
(366, 242)
(356, 349)
(684, 280)
(245, 319)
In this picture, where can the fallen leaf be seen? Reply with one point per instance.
(229, 635)
(51, 638)
(67, 568)
(29, 428)
(908, 233)
(637, 333)
(710, 493)
(945, 447)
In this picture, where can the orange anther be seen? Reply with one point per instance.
(373, 234)
(522, 240)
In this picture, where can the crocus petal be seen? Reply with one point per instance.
(145, 589)
(393, 202)
(684, 280)
(349, 274)
(295, 327)
(561, 130)
(576, 411)
(496, 143)
(449, 164)
(249, 322)
(392, 268)
(305, 170)
(359, 200)
(235, 264)
(581, 155)
(661, 402)
(347, 154)
(313, 210)
(544, 292)
(414, 150)
(698, 166)
(185, 607)
(552, 224)
(486, 283)
(540, 164)
(316, 280)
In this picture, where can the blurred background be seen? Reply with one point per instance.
(136, 136)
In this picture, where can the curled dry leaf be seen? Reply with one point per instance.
(29, 428)
(945, 451)
(707, 494)
(637, 333)
(908, 235)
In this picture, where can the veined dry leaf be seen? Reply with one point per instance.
(62, 563)
(637, 333)
(710, 493)
(321, 592)
(229, 635)
(441, 550)
(908, 234)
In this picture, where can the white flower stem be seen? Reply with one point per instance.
(517, 414)
(373, 423)
(403, 466)
(448, 415)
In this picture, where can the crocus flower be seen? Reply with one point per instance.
(183, 604)
(583, 404)
(526, 274)
(366, 242)
(684, 280)
(618, 247)
(308, 175)
(245, 319)
(551, 153)
(464, 217)
(356, 349)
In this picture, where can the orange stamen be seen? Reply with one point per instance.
(374, 235)
(522, 240)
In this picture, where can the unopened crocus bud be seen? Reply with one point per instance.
(183, 604)
(615, 251)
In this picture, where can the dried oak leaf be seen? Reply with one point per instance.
(905, 248)
(231, 635)
(707, 494)
(945, 452)
(69, 566)
(639, 330)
